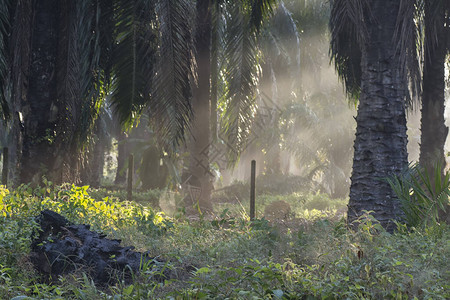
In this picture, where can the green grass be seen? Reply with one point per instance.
(308, 255)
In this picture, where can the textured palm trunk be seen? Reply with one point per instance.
(92, 171)
(122, 156)
(270, 97)
(40, 100)
(199, 173)
(433, 129)
(149, 171)
(20, 54)
(380, 144)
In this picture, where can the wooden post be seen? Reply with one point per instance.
(252, 191)
(130, 177)
(5, 166)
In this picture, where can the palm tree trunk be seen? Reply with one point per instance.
(380, 144)
(199, 169)
(20, 58)
(39, 124)
(94, 160)
(122, 156)
(269, 96)
(433, 129)
(149, 171)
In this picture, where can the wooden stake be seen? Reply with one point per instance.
(130, 177)
(252, 191)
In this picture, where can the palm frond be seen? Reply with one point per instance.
(134, 58)
(217, 39)
(408, 38)
(242, 67)
(78, 91)
(106, 36)
(347, 31)
(20, 51)
(171, 106)
(281, 50)
(260, 10)
(93, 82)
(4, 60)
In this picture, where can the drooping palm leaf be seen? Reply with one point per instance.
(217, 39)
(93, 82)
(260, 10)
(348, 32)
(79, 96)
(408, 38)
(280, 45)
(170, 106)
(105, 28)
(134, 57)
(347, 29)
(4, 65)
(20, 51)
(241, 74)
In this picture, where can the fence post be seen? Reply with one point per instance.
(252, 191)
(130, 177)
(5, 166)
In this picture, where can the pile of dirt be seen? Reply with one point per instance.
(277, 210)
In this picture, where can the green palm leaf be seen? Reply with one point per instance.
(347, 28)
(260, 10)
(241, 74)
(4, 65)
(422, 196)
(171, 106)
(78, 71)
(134, 58)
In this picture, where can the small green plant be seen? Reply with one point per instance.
(422, 196)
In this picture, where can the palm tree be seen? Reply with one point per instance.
(4, 26)
(198, 145)
(140, 51)
(59, 61)
(225, 35)
(433, 129)
(51, 78)
(63, 58)
(380, 33)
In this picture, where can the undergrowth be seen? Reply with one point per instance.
(227, 256)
